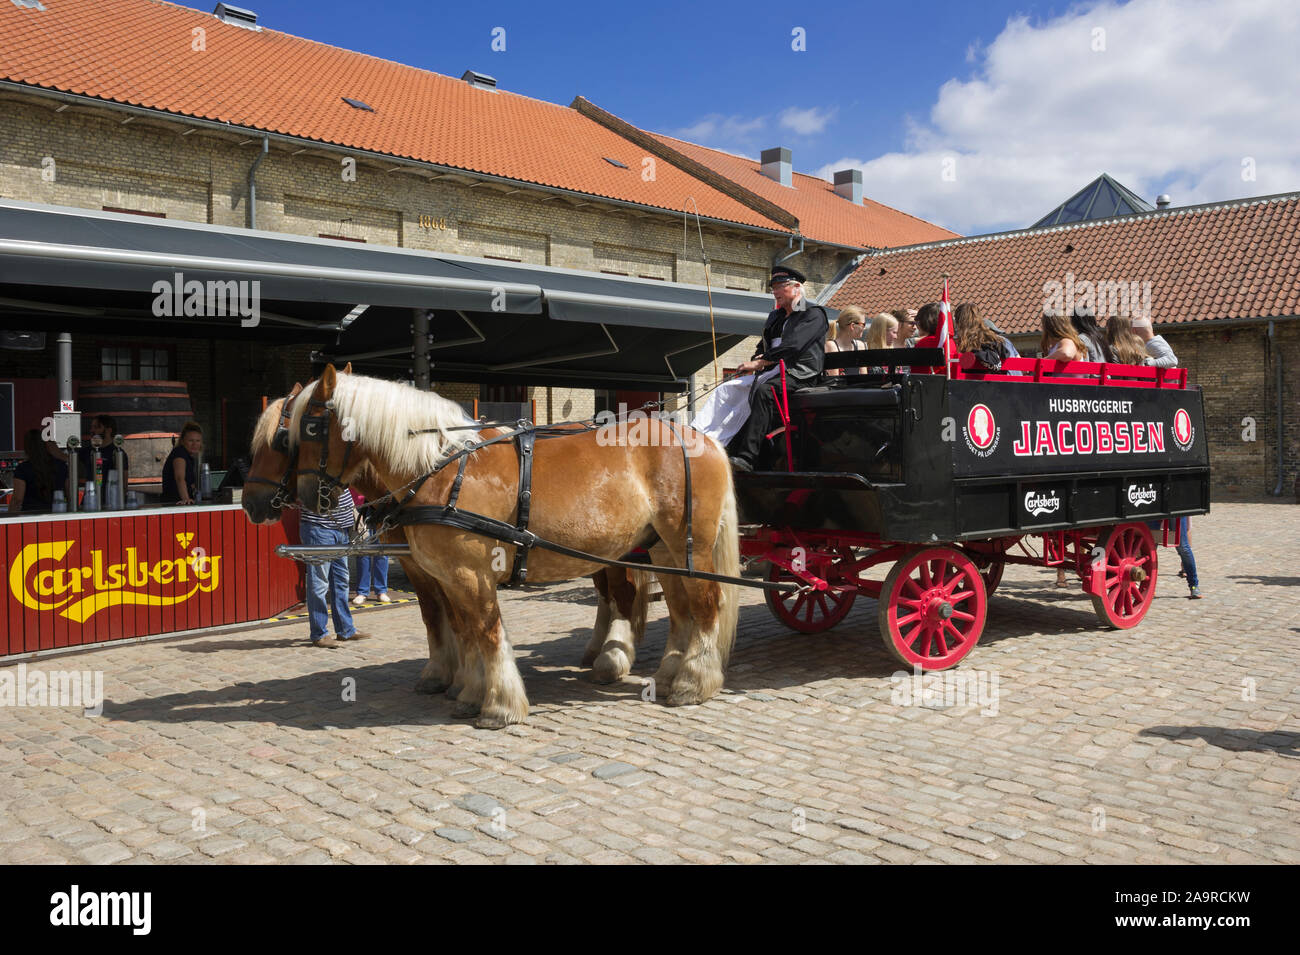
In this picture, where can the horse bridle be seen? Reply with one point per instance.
(315, 429)
(285, 492)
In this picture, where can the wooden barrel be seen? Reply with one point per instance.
(149, 416)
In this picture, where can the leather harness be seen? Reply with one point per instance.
(389, 512)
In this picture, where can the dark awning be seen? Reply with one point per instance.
(76, 270)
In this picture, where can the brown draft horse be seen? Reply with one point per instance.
(620, 619)
(592, 491)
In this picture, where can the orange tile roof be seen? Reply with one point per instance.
(1238, 259)
(139, 52)
(823, 215)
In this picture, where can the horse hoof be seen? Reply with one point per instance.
(430, 685)
(491, 722)
(610, 667)
(683, 699)
(589, 658)
(464, 710)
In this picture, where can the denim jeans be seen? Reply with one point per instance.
(1185, 553)
(327, 585)
(364, 576)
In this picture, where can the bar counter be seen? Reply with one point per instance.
(91, 577)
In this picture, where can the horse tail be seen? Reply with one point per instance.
(726, 561)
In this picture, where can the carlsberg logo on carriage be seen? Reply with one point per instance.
(1039, 504)
(1141, 495)
(42, 578)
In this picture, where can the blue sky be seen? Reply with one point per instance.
(978, 116)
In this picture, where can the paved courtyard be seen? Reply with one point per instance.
(1175, 742)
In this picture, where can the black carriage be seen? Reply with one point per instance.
(949, 477)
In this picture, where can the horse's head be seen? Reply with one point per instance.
(271, 486)
(325, 454)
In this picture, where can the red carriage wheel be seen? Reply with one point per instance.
(807, 611)
(1129, 583)
(932, 608)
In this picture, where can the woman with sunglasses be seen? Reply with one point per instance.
(846, 335)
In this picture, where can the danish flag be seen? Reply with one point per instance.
(946, 331)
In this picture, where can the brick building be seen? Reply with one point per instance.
(1221, 282)
(147, 108)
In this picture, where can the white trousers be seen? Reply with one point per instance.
(726, 409)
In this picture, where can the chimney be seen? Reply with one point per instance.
(236, 16)
(778, 165)
(848, 184)
(1162, 201)
(479, 80)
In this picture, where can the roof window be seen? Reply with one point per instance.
(358, 104)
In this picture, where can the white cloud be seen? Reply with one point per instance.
(732, 133)
(1177, 98)
(807, 122)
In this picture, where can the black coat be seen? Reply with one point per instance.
(803, 341)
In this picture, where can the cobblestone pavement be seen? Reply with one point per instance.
(1175, 742)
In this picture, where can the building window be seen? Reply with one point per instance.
(133, 363)
(137, 212)
(155, 364)
(115, 364)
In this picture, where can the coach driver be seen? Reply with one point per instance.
(795, 333)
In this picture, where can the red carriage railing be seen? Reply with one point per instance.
(1071, 373)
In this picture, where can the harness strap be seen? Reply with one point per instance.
(520, 570)
(686, 463)
(508, 533)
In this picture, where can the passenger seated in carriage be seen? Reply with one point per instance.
(974, 336)
(846, 335)
(1060, 341)
(927, 326)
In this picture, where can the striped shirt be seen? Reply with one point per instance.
(340, 518)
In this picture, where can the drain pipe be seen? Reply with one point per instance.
(252, 182)
(1277, 361)
(798, 251)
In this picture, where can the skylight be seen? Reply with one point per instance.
(358, 104)
(613, 162)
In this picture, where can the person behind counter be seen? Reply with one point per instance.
(37, 478)
(102, 429)
(180, 472)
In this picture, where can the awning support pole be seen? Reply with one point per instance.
(420, 342)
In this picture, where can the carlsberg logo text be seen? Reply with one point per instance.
(1138, 496)
(1037, 504)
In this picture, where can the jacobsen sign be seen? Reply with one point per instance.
(1012, 428)
(83, 580)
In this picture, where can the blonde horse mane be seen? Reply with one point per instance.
(381, 414)
(264, 430)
